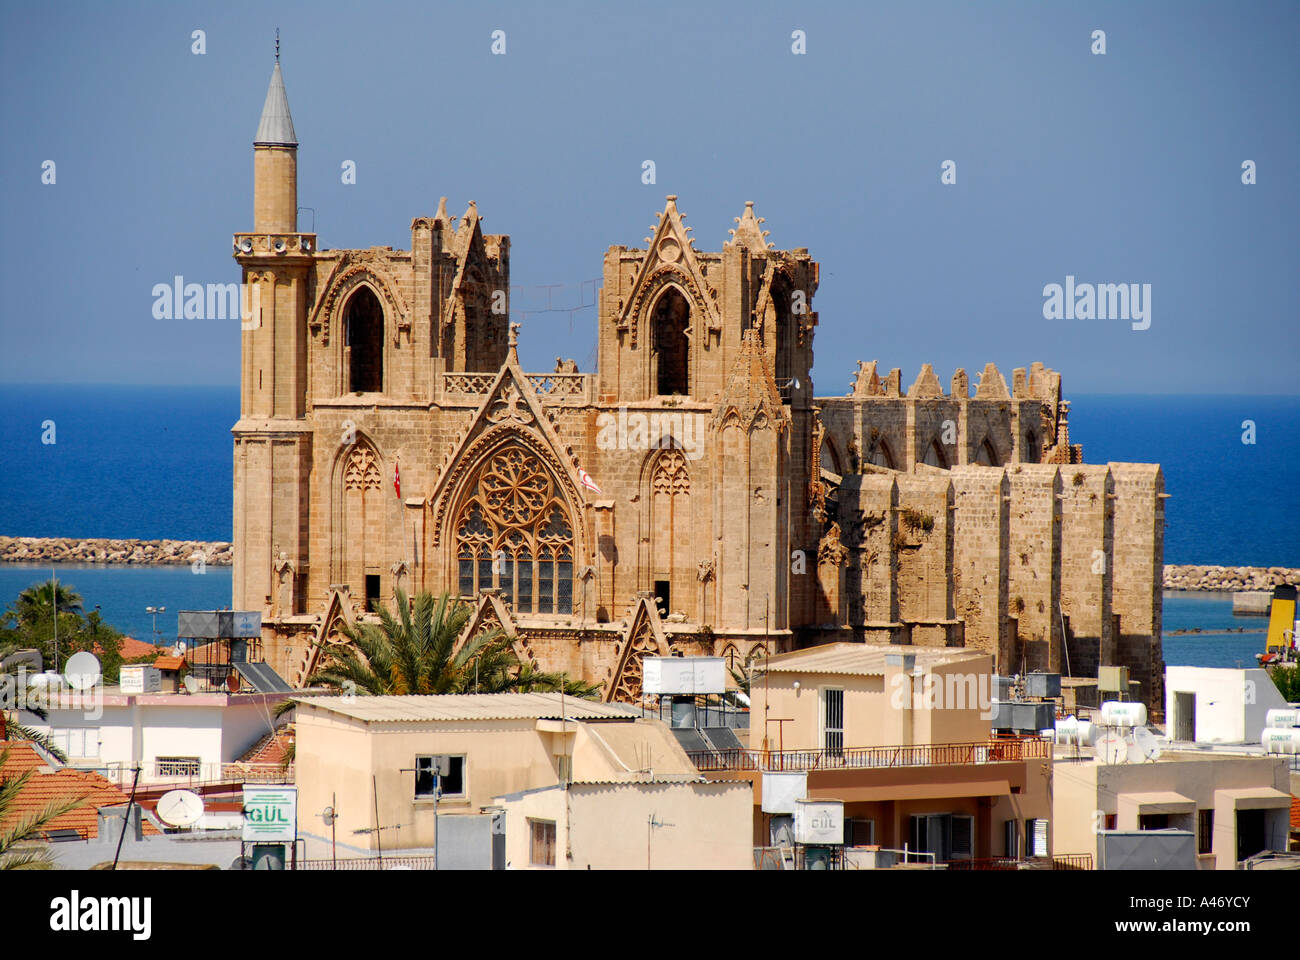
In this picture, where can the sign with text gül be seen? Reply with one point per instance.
(270, 813)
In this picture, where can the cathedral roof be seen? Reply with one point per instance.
(276, 126)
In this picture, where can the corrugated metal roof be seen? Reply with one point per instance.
(469, 706)
(276, 126)
(866, 659)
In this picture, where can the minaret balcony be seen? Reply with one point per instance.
(264, 245)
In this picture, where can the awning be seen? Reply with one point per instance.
(1253, 798)
(1158, 801)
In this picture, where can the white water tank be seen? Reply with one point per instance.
(1288, 717)
(1075, 732)
(49, 680)
(1281, 739)
(1115, 713)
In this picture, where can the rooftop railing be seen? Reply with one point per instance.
(922, 755)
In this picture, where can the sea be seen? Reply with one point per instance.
(155, 463)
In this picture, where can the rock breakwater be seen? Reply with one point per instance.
(129, 551)
(1194, 577)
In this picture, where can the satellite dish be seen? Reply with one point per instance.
(82, 670)
(180, 808)
(191, 683)
(329, 816)
(1147, 745)
(1111, 748)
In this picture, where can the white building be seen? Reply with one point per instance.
(1214, 705)
(172, 736)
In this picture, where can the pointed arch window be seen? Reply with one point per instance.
(672, 347)
(934, 455)
(986, 456)
(514, 532)
(363, 324)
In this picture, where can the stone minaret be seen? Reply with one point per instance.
(272, 437)
(275, 162)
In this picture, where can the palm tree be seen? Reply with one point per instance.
(10, 728)
(17, 850)
(415, 653)
(35, 603)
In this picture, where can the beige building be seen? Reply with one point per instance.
(1235, 806)
(868, 695)
(903, 736)
(631, 825)
(695, 468)
(373, 759)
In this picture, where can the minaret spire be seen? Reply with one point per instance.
(276, 126)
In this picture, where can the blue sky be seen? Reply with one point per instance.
(1122, 168)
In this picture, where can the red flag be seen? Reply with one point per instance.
(397, 479)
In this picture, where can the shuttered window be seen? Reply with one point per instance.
(833, 739)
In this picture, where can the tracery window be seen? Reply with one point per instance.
(514, 532)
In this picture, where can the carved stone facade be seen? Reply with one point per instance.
(690, 496)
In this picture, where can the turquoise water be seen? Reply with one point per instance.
(123, 592)
(1209, 611)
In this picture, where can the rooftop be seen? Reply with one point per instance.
(50, 785)
(469, 706)
(862, 659)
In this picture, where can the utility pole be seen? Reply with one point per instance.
(130, 804)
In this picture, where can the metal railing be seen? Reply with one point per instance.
(922, 755)
(369, 863)
(188, 773)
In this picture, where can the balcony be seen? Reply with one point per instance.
(924, 755)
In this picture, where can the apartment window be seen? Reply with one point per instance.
(930, 833)
(1205, 831)
(444, 775)
(177, 766)
(961, 837)
(1011, 839)
(1153, 821)
(859, 832)
(1112, 821)
(76, 741)
(833, 721)
(1036, 837)
(542, 848)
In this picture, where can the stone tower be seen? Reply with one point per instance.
(273, 442)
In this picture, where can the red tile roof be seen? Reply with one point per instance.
(272, 748)
(170, 662)
(132, 649)
(62, 784)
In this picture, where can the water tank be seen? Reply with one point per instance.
(1043, 685)
(1287, 717)
(1123, 714)
(1281, 740)
(1003, 688)
(1075, 732)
